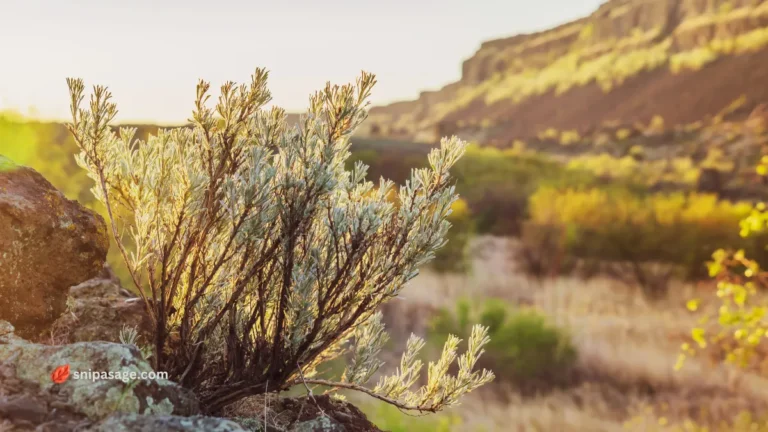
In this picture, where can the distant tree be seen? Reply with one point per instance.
(259, 256)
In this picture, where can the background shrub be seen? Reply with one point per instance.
(389, 418)
(525, 348)
(616, 225)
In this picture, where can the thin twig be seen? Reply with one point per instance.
(309, 391)
(370, 393)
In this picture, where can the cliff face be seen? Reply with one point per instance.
(629, 61)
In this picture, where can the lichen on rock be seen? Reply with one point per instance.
(138, 423)
(30, 401)
(98, 310)
(97, 399)
(320, 424)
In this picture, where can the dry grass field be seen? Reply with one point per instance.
(627, 348)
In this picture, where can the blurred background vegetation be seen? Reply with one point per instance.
(647, 225)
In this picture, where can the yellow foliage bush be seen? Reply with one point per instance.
(623, 134)
(618, 225)
(587, 31)
(657, 124)
(594, 208)
(693, 60)
(752, 41)
(676, 170)
(550, 133)
(453, 256)
(518, 148)
(740, 322)
(716, 159)
(569, 137)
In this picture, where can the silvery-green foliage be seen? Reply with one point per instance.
(130, 336)
(258, 254)
(368, 340)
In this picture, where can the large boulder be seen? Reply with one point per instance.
(47, 244)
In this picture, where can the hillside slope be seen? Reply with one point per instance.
(629, 61)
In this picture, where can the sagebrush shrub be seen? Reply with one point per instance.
(259, 256)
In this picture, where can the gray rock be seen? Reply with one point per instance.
(98, 309)
(320, 424)
(24, 406)
(96, 399)
(170, 423)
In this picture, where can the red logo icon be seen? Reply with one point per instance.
(60, 374)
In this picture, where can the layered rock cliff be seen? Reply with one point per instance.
(629, 61)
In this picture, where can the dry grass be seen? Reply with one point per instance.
(627, 350)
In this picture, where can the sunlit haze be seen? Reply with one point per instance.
(151, 53)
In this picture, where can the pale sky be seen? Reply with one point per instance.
(150, 53)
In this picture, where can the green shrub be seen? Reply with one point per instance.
(497, 185)
(525, 348)
(389, 418)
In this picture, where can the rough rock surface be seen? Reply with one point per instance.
(98, 399)
(47, 244)
(25, 406)
(31, 401)
(169, 423)
(98, 309)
